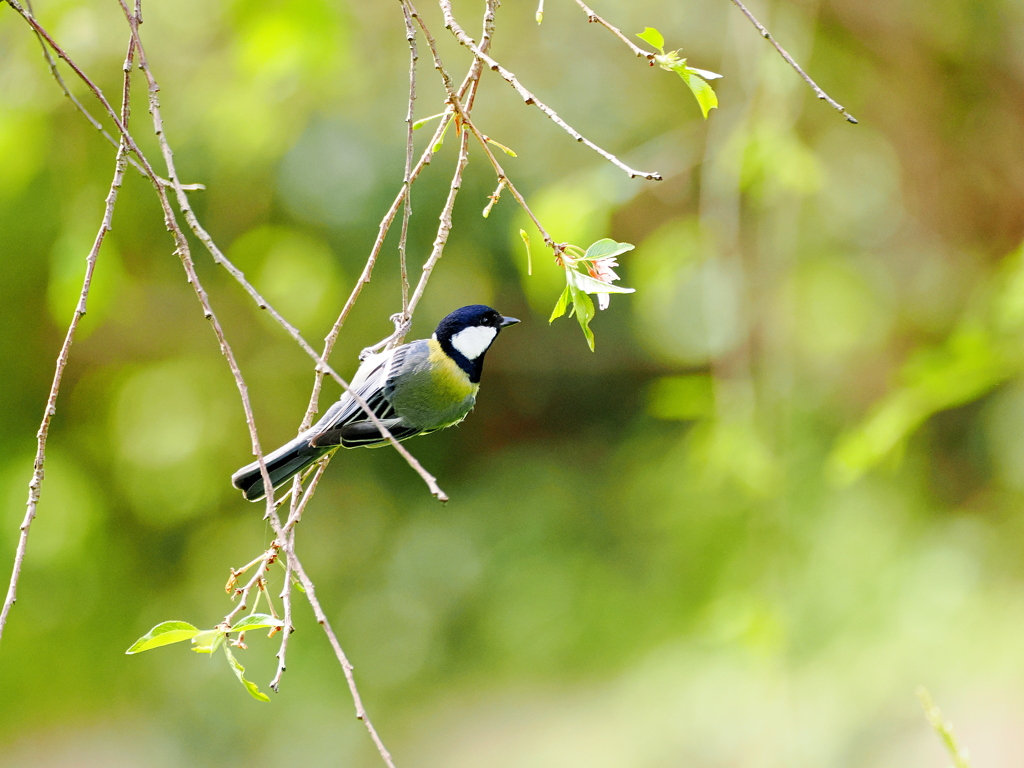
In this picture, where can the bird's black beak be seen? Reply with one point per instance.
(507, 321)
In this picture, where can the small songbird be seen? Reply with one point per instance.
(414, 389)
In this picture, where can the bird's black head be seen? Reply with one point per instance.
(466, 334)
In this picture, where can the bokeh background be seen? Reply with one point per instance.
(785, 490)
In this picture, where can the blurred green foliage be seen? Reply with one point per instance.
(784, 491)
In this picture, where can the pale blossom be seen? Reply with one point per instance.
(602, 268)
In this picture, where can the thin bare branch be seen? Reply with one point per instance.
(789, 60)
(287, 541)
(455, 103)
(460, 35)
(321, 618)
(445, 218)
(142, 163)
(505, 181)
(286, 601)
(35, 484)
(266, 560)
(410, 35)
(445, 225)
(593, 18)
(298, 508)
(52, 64)
(182, 247)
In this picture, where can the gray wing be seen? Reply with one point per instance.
(347, 424)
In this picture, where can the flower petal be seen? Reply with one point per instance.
(588, 284)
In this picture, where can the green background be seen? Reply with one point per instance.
(784, 491)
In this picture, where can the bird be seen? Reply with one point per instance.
(414, 389)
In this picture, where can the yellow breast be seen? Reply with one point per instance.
(450, 381)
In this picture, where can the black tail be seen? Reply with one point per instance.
(284, 463)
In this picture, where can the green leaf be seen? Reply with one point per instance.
(420, 123)
(164, 634)
(606, 247)
(653, 36)
(584, 314)
(256, 621)
(560, 305)
(529, 257)
(502, 147)
(588, 284)
(440, 139)
(702, 90)
(208, 641)
(239, 671)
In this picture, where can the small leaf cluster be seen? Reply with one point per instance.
(695, 79)
(588, 272)
(209, 640)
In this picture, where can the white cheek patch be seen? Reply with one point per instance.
(473, 342)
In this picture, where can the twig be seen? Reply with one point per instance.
(266, 560)
(300, 507)
(494, 197)
(286, 601)
(503, 179)
(35, 484)
(445, 218)
(98, 93)
(321, 618)
(460, 34)
(294, 516)
(789, 59)
(292, 563)
(52, 64)
(593, 18)
(445, 225)
(410, 35)
(182, 248)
